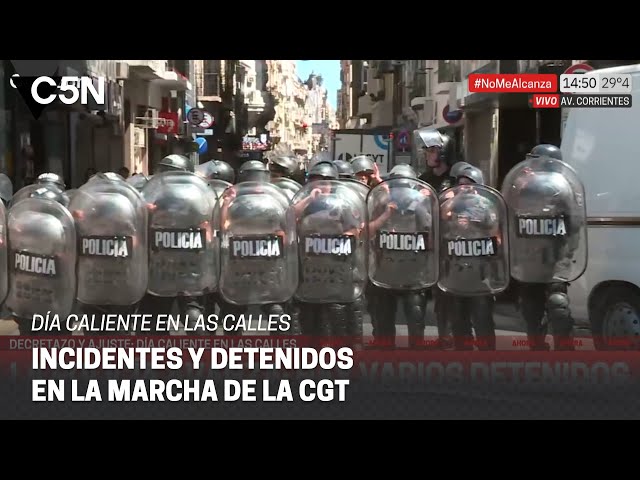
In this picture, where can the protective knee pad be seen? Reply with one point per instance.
(416, 310)
(337, 319)
(559, 313)
(295, 328)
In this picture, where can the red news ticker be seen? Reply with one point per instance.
(513, 83)
(544, 100)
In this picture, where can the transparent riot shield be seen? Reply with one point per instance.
(6, 188)
(42, 259)
(259, 263)
(137, 181)
(332, 245)
(403, 218)
(26, 192)
(359, 187)
(184, 253)
(69, 195)
(111, 225)
(474, 246)
(218, 186)
(547, 221)
(288, 186)
(3, 253)
(204, 169)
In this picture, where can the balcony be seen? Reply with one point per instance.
(148, 69)
(172, 80)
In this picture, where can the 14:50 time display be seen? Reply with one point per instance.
(578, 83)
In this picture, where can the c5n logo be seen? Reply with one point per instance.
(38, 91)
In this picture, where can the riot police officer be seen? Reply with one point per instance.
(258, 250)
(433, 156)
(548, 241)
(435, 151)
(324, 170)
(175, 162)
(473, 314)
(42, 260)
(51, 179)
(216, 170)
(283, 166)
(345, 170)
(365, 170)
(403, 262)
(183, 257)
(111, 226)
(332, 254)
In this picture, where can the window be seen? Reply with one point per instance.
(448, 71)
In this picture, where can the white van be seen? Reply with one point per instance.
(603, 145)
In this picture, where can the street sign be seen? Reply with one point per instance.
(207, 120)
(402, 141)
(195, 116)
(578, 68)
(451, 116)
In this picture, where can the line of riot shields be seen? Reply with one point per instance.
(109, 246)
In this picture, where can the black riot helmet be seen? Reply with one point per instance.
(403, 170)
(51, 178)
(175, 162)
(470, 174)
(345, 170)
(429, 138)
(283, 166)
(362, 164)
(546, 150)
(221, 171)
(457, 168)
(323, 171)
(50, 194)
(253, 171)
(137, 181)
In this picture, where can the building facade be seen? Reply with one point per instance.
(290, 128)
(491, 131)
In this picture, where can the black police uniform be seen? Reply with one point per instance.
(536, 299)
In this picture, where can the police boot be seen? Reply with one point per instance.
(561, 321)
(337, 319)
(325, 323)
(483, 323)
(442, 307)
(415, 311)
(355, 322)
(294, 312)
